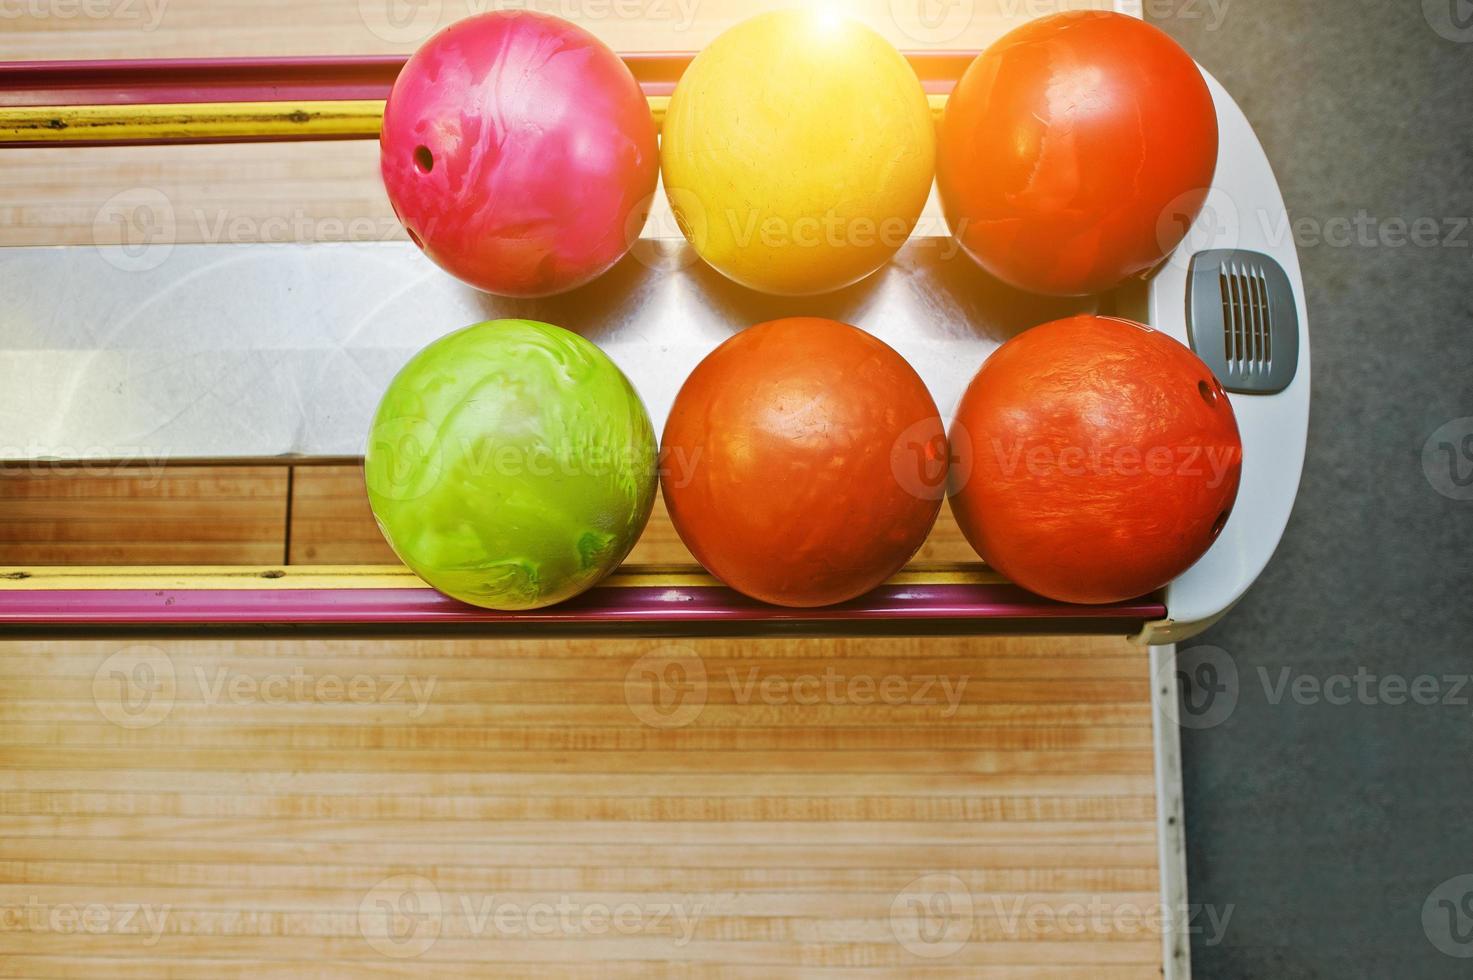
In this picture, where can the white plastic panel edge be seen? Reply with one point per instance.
(1245, 210)
(1171, 837)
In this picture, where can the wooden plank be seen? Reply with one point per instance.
(149, 968)
(222, 28)
(142, 515)
(249, 810)
(333, 525)
(587, 739)
(261, 192)
(331, 521)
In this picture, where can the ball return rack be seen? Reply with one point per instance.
(170, 342)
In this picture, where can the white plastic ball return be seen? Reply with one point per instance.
(281, 352)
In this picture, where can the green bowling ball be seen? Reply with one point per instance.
(511, 465)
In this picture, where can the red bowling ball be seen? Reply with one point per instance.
(803, 462)
(519, 152)
(1076, 152)
(1096, 460)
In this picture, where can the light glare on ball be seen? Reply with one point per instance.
(798, 152)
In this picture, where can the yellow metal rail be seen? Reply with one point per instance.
(218, 121)
(227, 577)
(195, 120)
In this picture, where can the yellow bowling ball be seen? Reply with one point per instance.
(798, 152)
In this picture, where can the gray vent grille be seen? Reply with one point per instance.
(1242, 320)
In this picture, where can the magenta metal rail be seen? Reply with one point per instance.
(308, 79)
(680, 608)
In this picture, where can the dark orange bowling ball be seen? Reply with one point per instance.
(803, 462)
(1100, 458)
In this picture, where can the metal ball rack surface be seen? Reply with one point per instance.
(656, 318)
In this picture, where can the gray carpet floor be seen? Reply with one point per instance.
(1338, 832)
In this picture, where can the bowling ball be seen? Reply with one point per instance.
(1101, 459)
(1076, 152)
(511, 465)
(519, 152)
(798, 151)
(803, 462)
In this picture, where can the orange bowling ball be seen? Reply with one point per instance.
(1096, 459)
(803, 462)
(1076, 152)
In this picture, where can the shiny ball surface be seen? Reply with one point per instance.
(1076, 152)
(798, 152)
(511, 465)
(519, 152)
(803, 462)
(1096, 460)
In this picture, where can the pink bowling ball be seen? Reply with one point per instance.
(519, 152)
